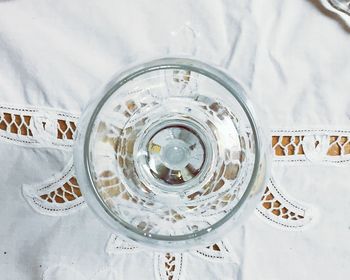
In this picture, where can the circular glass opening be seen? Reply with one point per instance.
(171, 151)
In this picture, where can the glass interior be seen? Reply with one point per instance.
(171, 152)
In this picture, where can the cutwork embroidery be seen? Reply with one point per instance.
(37, 127)
(311, 145)
(170, 266)
(58, 196)
(281, 211)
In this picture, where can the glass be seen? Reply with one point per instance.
(170, 154)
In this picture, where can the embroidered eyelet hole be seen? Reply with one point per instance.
(215, 247)
(60, 195)
(270, 203)
(39, 127)
(277, 209)
(320, 146)
(168, 266)
(68, 192)
(65, 129)
(16, 124)
(216, 252)
(287, 145)
(339, 145)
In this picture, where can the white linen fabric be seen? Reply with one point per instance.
(291, 56)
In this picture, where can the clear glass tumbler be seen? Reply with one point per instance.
(170, 154)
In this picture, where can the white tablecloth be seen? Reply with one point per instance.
(292, 56)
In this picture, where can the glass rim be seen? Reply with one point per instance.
(163, 64)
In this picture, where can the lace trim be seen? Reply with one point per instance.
(37, 127)
(281, 211)
(167, 266)
(170, 266)
(60, 195)
(42, 127)
(311, 145)
(217, 252)
(117, 245)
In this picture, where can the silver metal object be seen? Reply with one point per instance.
(341, 5)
